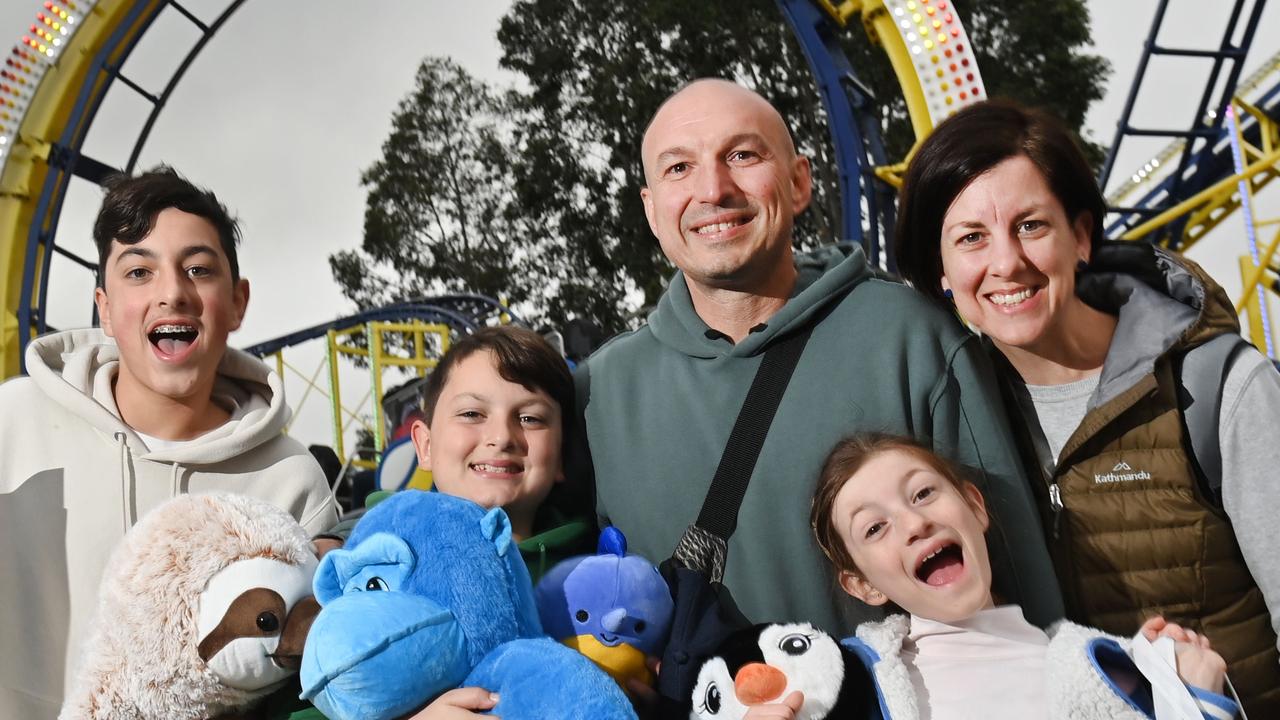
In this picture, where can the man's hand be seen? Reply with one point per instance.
(1198, 663)
(458, 705)
(786, 710)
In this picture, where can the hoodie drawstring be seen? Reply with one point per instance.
(128, 483)
(175, 481)
(125, 478)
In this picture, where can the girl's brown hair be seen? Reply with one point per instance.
(845, 459)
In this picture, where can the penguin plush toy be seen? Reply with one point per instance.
(762, 665)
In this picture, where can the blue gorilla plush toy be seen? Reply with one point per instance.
(430, 593)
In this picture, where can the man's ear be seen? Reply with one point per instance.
(421, 435)
(646, 197)
(973, 496)
(104, 310)
(801, 184)
(857, 586)
(240, 296)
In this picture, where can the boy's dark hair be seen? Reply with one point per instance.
(967, 145)
(845, 459)
(129, 210)
(523, 356)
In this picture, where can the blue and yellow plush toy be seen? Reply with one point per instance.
(612, 607)
(429, 594)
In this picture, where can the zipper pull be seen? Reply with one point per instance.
(1055, 503)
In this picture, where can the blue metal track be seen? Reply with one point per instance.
(1201, 135)
(66, 159)
(62, 163)
(855, 129)
(446, 310)
(1206, 167)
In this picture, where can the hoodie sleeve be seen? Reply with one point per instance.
(301, 488)
(1250, 494)
(969, 423)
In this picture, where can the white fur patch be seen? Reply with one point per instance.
(886, 638)
(1076, 690)
(812, 662)
(245, 663)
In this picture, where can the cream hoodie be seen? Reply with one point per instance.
(74, 478)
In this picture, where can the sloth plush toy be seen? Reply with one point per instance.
(764, 664)
(203, 611)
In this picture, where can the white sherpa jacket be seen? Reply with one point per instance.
(1076, 685)
(74, 478)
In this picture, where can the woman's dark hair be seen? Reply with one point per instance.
(968, 144)
(845, 459)
(523, 357)
(129, 210)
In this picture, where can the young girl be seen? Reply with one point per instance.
(902, 526)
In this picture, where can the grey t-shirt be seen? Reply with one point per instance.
(1059, 410)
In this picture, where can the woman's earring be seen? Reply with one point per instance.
(1082, 265)
(948, 294)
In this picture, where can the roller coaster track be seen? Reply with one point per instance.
(59, 82)
(1203, 157)
(57, 76)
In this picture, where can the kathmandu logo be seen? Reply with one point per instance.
(1122, 472)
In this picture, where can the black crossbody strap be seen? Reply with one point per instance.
(719, 513)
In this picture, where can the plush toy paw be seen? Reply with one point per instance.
(540, 678)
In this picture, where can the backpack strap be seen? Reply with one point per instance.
(1201, 375)
(704, 545)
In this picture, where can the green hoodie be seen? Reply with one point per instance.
(555, 539)
(659, 403)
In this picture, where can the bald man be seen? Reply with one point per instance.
(724, 184)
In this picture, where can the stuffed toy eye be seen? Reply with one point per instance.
(796, 644)
(268, 622)
(712, 700)
(582, 616)
(376, 583)
(640, 626)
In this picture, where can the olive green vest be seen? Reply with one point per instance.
(1136, 537)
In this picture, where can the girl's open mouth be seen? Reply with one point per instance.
(942, 566)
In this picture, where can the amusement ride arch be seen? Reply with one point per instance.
(57, 75)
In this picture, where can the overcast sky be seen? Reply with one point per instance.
(292, 100)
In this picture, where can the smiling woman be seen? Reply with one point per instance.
(1000, 215)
